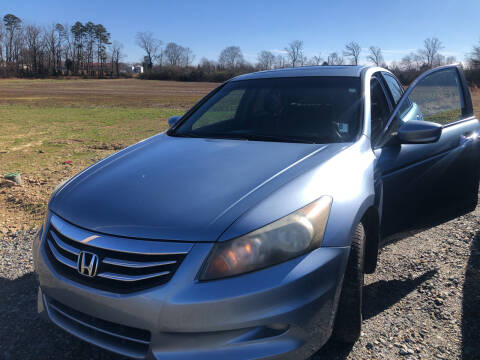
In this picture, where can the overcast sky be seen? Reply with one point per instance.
(208, 26)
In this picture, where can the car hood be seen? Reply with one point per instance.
(183, 189)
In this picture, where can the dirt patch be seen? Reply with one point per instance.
(104, 146)
(25, 146)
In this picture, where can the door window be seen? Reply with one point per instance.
(393, 86)
(379, 108)
(396, 91)
(438, 97)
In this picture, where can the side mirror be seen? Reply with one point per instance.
(173, 120)
(419, 132)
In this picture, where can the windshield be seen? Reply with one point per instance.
(300, 109)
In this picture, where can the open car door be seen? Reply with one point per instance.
(428, 155)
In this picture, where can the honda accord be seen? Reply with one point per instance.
(244, 231)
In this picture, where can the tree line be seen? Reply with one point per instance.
(57, 49)
(231, 62)
(87, 49)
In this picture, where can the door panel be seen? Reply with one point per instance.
(421, 179)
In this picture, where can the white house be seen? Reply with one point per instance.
(137, 68)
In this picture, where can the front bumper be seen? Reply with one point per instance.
(283, 311)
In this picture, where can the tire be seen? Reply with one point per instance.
(348, 323)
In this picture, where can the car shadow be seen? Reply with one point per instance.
(383, 294)
(427, 218)
(378, 297)
(25, 335)
(471, 304)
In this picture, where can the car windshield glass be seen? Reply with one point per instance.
(301, 109)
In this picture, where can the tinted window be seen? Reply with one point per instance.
(308, 109)
(397, 92)
(223, 110)
(394, 87)
(438, 97)
(379, 108)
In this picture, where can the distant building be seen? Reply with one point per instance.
(138, 69)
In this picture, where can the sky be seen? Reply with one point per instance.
(208, 26)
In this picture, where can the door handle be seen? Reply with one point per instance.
(467, 138)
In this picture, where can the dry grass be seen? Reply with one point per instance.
(45, 123)
(476, 101)
(102, 93)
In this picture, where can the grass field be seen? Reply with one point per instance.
(45, 123)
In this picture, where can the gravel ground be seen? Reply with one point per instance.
(422, 303)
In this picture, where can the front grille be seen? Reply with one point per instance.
(117, 271)
(125, 340)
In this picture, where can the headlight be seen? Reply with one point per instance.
(284, 239)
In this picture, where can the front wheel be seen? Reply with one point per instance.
(348, 323)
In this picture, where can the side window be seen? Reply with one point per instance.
(397, 92)
(439, 97)
(394, 87)
(379, 108)
(225, 109)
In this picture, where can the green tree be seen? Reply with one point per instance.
(102, 37)
(78, 32)
(13, 25)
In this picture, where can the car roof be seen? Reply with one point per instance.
(322, 70)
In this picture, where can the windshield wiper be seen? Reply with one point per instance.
(208, 135)
(244, 136)
(266, 137)
(187, 134)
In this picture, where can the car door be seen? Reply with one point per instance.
(418, 180)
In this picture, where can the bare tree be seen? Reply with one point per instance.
(231, 57)
(375, 55)
(430, 52)
(295, 52)
(316, 60)
(474, 57)
(266, 60)
(188, 56)
(34, 44)
(412, 61)
(353, 51)
(407, 63)
(207, 66)
(303, 60)
(52, 42)
(280, 62)
(450, 60)
(173, 54)
(334, 59)
(116, 55)
(150, 45)
(177, 55)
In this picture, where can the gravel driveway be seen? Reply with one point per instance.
(422, 303)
